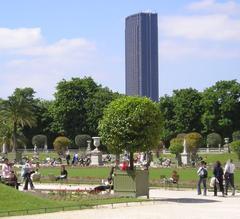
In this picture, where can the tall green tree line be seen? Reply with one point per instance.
(216, 109)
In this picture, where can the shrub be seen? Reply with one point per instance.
(39, 140)
(214, 139)
(236, 136)
(176, 146)
(181, 135)
(194, 140)
(235, 146)
(81, 140)
(61, 143)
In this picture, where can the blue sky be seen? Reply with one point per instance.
(42, 42)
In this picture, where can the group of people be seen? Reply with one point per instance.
(219, 176)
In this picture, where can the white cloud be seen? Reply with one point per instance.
(228, 7)
(205, 27)
(19, 38)
(61, 47)
(40, 65)
(176, 50)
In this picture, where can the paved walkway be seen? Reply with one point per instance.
(167, 205)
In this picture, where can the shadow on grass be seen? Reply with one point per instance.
(186, 200)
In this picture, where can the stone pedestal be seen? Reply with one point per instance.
(184, 154)
(96, 155)
(185, 158)
(96, 159)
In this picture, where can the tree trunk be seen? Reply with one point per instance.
(131, 161)
(14, 137)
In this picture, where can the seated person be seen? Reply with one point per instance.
(174, 178)
(63, 174)
(107, 185)
(8, 174)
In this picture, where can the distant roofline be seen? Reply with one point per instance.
(137, 14)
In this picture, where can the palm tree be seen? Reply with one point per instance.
(18, 112)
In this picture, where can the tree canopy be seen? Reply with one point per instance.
(131, 124)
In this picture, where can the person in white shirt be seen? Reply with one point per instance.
(229, 176)
(8, 174)
(202, 173)
(6, 169)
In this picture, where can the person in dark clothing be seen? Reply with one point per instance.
(27, 172)
(218, 173)
(63, 174)
(108, 185)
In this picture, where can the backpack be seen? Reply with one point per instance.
(204, 173)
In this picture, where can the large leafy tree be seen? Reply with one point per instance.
(132, 124)
(221, 107)
(187, 110)
(68, 110)
(168, 125)
(18, 112)
(95, 106)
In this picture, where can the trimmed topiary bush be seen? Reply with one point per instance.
(236, 136)
(214, 139)
(194, 140)
(61, 143)
(81, 140)
(39, 140)
(176, 147)
(235, 146)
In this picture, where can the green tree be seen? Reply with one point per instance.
(194, 140)
(166, 107)
(68, 110)
(214, 139)
(221, 108)
(94, 107)
(235, 146)
(18, 112)
(176, 147)
(131, 124)
(61, 143)
(187, 110)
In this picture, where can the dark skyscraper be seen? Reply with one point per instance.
(141, 55)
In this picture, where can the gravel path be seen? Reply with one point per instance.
(167, 204)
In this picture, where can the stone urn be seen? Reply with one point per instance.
(96, 154)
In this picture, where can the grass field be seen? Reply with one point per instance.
(188, 176)
(19, 203)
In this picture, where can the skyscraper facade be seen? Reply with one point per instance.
(141, 55)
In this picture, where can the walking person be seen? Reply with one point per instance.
(202, 173)
(68, 157)
(218, 173)
(229, 176)
(27, 172)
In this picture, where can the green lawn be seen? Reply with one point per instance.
(18, 202)
(188, 176)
